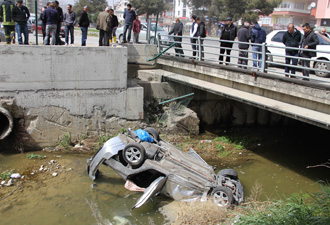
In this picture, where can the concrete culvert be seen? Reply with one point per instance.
(6, 123)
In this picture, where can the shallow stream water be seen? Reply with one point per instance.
(279, 166)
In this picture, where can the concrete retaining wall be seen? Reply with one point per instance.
(53, 90)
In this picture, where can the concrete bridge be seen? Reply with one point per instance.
(46, 91)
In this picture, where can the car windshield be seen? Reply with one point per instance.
(323, 40)
(159, 28)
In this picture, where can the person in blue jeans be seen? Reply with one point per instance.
(258, 35)
(69, 19)
(21, 15)
(84, 24)
(129, 16)
(291, 38)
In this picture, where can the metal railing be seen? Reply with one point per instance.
(210, 50)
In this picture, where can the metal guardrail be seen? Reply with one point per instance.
(270, 62)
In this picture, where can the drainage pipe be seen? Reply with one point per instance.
(6, 123)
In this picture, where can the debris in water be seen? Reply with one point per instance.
(52, 161)
(206, 141)
(10, 183)
(3, 182)
(54, 174)
(15, 176)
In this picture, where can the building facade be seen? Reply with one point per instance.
(322, 14)
(290, 11)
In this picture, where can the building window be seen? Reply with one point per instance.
(179, 3)
(328, 3)
(184, 5)
(178, 13)
(285, 5)
(266, 20)
(297, 21)
(282, 20)
(298, 5)
(184, 13)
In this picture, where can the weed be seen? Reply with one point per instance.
(123, 130)
(222, 151)
(6, 175)
(66, 141)
(223, 139)
(35, 156)
(103, 138)
(239, 147)
(297, 209)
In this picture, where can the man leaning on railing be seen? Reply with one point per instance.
(309, 41)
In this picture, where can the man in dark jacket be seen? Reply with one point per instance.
(114, 25)
(21, 15)
(7, 20)
(129, 16)
(244, 36)
(309, 41)
(201, 32)
(228, 32)
(59, 24)
(177, 31)
(84, 24)
(51, 18)
(258, 35)
(291, 38)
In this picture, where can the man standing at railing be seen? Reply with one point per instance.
(177, 31)
(258, 35)
(309, 41)
(228, 32)
(193, 34)
(201, 32)
(129, 16)
(291, 38)
(244, 36)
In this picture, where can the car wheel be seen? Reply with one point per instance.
(322, 66)
(121, 38)
(222, 196)
(134, 154)
(229, 173)
(153, 133)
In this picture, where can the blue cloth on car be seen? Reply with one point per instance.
(144, 136)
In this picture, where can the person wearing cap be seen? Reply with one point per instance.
(228, 32)
(6, 9)
(21, 15)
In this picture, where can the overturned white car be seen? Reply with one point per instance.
(155, 166)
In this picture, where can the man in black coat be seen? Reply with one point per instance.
(60, 14)
(244, 36)
(114, 25)
(177, 31)
(201, 32)
(21, 15)
(309, 41)
(228, 32)
(84, 24)
(291, 38)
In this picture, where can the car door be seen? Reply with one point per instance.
(276, 41)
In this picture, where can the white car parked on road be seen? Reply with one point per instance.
(274, 38)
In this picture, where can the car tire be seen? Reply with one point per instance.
(134, 154)
(229, 173)
(153, 133)
(322, 66)
(222, 196)
(121, 38)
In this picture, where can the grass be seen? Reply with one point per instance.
(66, 141)
(6, 175)
(223, 139)
(35, 156)
(297, 209)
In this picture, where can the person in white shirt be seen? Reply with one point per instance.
(193, 35)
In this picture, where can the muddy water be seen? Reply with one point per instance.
(278, 166)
